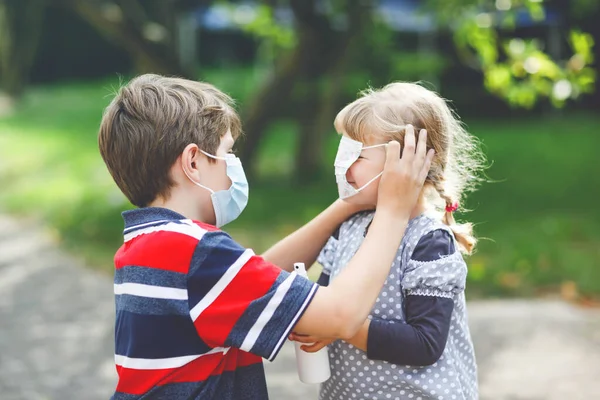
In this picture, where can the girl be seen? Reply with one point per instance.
(416, 342)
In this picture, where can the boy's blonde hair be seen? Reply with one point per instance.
(150, 122)
(384, 114)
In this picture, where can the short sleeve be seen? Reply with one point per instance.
(238, 299)
(431, 271)
(327, 256)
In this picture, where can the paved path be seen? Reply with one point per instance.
(56, 327)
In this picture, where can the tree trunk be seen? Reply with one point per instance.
(266, 105)
(319, 109)
(309, 153)
(321, 52)
(127, 30)
(20, 29)
(303, 64)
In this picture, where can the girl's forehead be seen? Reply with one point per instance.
(368, 140)
(373, 140)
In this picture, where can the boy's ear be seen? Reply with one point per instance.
(189, 159)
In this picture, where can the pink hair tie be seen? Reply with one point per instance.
(451, 207)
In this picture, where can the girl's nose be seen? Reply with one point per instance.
(349, 175)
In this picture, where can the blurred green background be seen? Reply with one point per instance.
(520, 73)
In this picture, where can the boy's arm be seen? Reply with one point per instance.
(336, 309)
(240, 300)
(420, 341)
(304, 244)
(340, 309)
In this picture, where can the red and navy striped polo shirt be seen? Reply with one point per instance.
(196, 312)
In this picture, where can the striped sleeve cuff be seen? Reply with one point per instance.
(277, 320)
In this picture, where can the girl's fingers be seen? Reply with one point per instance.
(392, 155)
(303, 338)
(408, 152)
(426, 165)
(422, 146)
(313, 347)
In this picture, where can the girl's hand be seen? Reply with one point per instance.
(318, 345)
(403, 177)
(314, 343)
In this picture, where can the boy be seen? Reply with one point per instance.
(196, 312)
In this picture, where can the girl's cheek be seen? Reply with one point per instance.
(369, 194)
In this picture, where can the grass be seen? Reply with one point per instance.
(541, 216)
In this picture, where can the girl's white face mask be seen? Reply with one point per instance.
(348, 152)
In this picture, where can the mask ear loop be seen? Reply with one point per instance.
(368, 183)
(194, 182)
(214, 157)
(199, 184)
(378, 175)
(375, 145)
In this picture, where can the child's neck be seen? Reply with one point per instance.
(181, 206)
(419, 209)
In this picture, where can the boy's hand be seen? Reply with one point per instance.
(403, 177)
(314, 343)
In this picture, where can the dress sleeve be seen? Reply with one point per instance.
(433, 270)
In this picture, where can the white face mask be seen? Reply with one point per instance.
(228, 204)
(348, 152)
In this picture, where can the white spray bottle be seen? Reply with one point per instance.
(312, 367)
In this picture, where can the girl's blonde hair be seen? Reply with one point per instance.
(455, 170)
